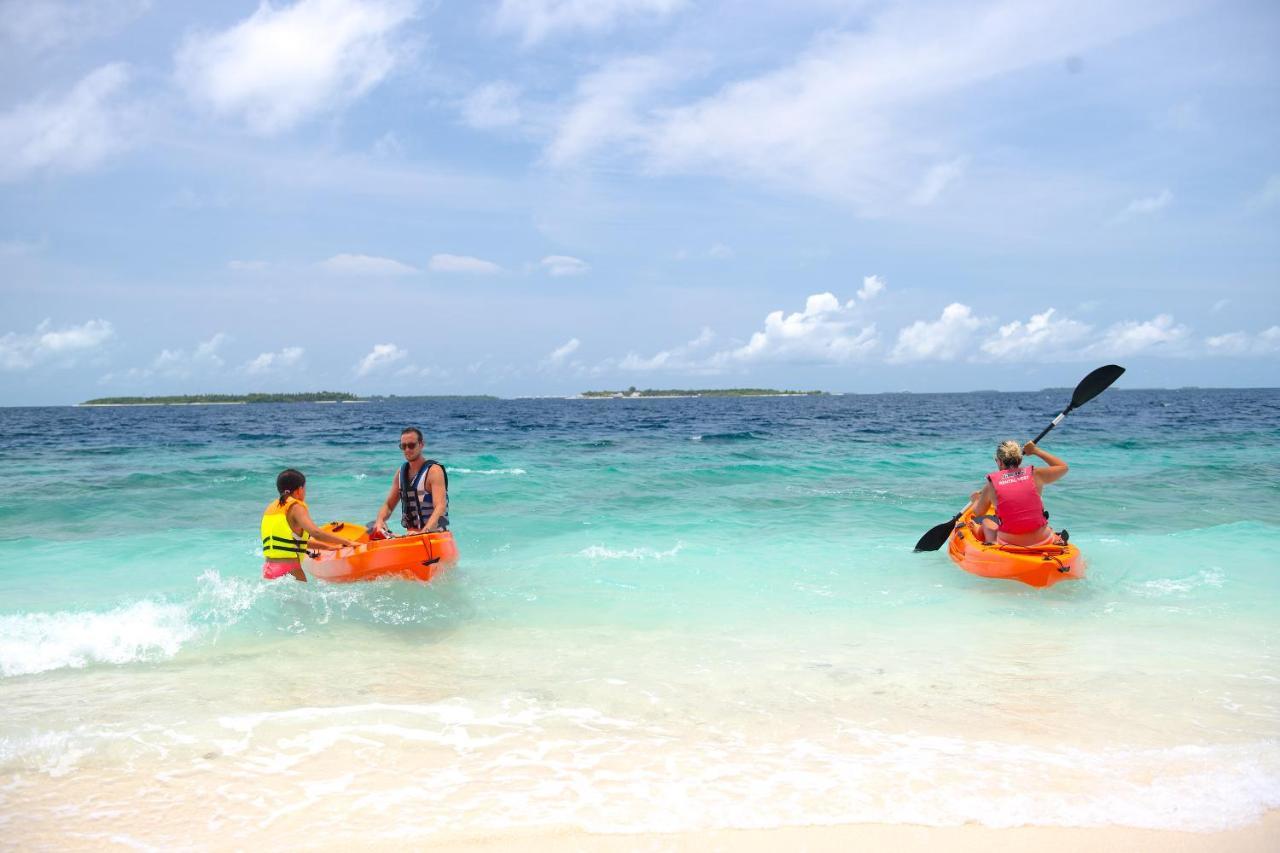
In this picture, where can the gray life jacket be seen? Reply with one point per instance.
(416, 503)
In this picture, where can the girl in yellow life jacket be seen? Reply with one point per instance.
(287, 529)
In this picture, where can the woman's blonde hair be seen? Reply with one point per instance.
(1009, 454)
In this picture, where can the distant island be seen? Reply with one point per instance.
(704, 392)
(226, 399)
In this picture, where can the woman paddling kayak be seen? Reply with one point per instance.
(1014, 492)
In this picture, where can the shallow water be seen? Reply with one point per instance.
(669, 614)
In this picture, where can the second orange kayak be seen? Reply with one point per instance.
(419, 557)
(1042, 565)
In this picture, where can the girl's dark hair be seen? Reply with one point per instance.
(288, 481)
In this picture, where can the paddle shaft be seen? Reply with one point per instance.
(1053, 423)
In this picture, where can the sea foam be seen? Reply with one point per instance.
(142, 631)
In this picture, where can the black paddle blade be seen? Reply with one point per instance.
(937, 536)
(1095, 383)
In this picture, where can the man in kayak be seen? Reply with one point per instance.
(1014, 492)
(287, 529)
(421, 487)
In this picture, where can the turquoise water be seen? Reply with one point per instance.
(669, 614)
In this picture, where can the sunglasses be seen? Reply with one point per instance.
(408, 445)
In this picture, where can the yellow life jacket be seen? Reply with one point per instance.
(279, 542)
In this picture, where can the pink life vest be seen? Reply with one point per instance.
(1017, 502)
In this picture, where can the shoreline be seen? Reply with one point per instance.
(1261, 836)
(292, 828)
(218, 403)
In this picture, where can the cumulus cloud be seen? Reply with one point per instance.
(558, 355)
(463, 264)
(948, 337)
(562, 265)
(271, 361)
(1132, 337)
(1041, 337)
(1144, 206)
(283, 65)
(379, 357)
(536, 20)
(71, 133)
(364, 265)
(178, 363)
(492, 105)
(825, 332)
(23, 351)
(720, 252)
(872, 286)
(957, 335)
(1243, 343)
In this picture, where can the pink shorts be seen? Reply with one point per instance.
(273, 569)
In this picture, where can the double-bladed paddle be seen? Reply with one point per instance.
(1091, 386)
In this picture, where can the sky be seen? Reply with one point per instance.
(541, 197)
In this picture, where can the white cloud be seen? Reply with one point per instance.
(380, 356)
(1242, 343)
(364, 265)
(856, 116)
(1132, 337)
(607, 108)
(720, 252)
(936, 180)
(38, 25)
(1041, 337)
(1144, 206)
(280, 66)
(492, 105)
(177, 363)
(1219, 305)
(269, 361)
(872, 286)
(463, 264)
(824, 332)
(69, 134)
(536, 20)
(949, 337)
(560, 353)
(677, 358)
(561, 265)
(416, 372)
(20, 352)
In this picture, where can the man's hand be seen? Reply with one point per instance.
(1030, 449)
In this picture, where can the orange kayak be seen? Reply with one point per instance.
(1041, 565)
(419, 557)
